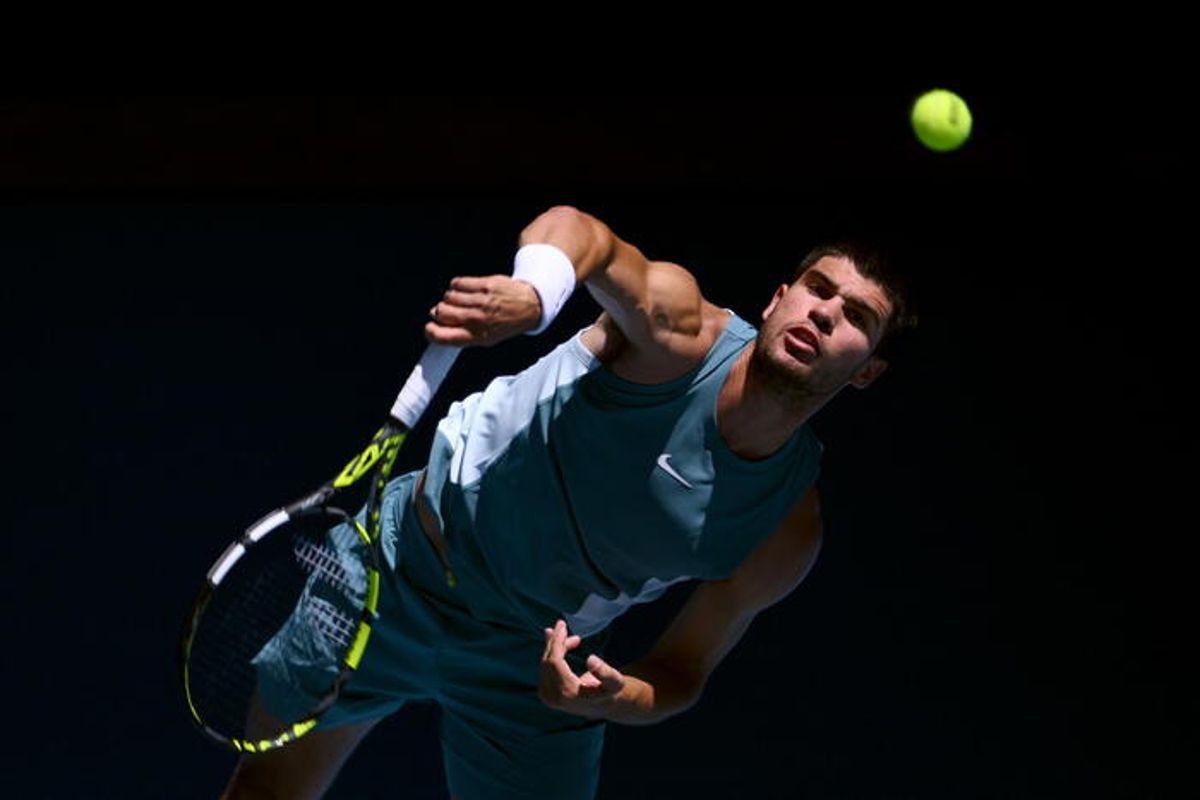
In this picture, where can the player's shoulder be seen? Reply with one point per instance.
(679, 308)
(669, 354)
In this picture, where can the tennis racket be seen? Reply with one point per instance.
(285, 613)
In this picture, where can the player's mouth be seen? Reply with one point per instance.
(802, 343)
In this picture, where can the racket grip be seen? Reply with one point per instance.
(423, 383)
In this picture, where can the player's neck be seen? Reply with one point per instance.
(754, 420)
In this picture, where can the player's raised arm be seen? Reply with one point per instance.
(650, 301)
(653, 303)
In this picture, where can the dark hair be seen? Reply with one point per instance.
(874, 264)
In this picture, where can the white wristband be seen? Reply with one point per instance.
(550, 273)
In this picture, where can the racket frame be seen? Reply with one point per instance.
(375, 461)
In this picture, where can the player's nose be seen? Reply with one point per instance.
(822, 319)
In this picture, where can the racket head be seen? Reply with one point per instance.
(280, 625)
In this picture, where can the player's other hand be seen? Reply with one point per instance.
(483, 311)
(588, 694)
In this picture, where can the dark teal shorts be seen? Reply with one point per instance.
(431, 642)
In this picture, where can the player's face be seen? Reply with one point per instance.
(844, 315)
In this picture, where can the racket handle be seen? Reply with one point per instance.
(423, 383)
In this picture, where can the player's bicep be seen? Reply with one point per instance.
(650, 301)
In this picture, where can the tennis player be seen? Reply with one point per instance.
(666, 442)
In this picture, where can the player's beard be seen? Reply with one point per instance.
(777, 375)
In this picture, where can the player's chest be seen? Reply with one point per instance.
(648, 490)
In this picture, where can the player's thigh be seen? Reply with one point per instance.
(303, 769)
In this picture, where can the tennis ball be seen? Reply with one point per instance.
(941, 120)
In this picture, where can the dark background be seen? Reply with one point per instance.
(209, 302)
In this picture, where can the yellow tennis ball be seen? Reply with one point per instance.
(941, 120)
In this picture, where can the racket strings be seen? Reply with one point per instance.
(331, 623)
(324, 563)
(285, 614)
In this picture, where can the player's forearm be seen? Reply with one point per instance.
(652, 693)
(586, 241)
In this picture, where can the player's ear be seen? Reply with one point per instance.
(779, 293)
(869, 372)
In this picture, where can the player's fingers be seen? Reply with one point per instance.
(558, 671)
(441, 334)
(467, 283)
(611, 679)
(562, 642)
(560, 638)
(447, 314)
(589, 681)
(466, 299)
(556, 640)
(558, 683)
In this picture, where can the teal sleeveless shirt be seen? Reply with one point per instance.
(573, 493)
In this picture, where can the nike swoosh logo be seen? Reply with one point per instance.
(662, 462)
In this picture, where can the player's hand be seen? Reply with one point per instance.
(587, 694)
(483, 311)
